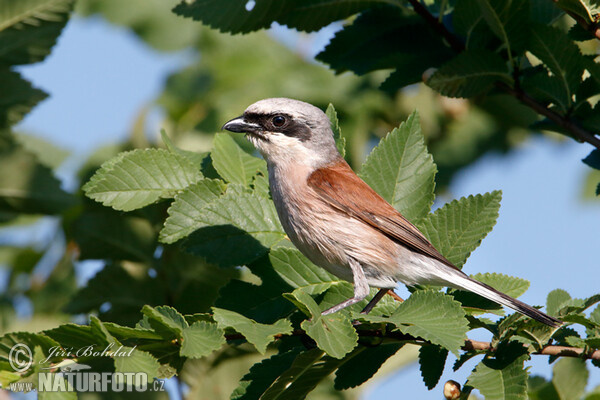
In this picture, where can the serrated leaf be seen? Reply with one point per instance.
(509, 20)
(141, 177)
(433, 316)
(593, 159)
(502, 379)
(560, 55)
(333, 333)
(263, 374)
(166, 319)
(577, 7)
(27, 186)
(363, 364)
(196, 158)
(370, 43)
(556, 300)
(104, 234)
(402, 171)
(308, 369)
(232, 163)
(431, 362)
(470, 73)
(548, 88)
(297, 271)
(233, 16)
(340, 141)
(457, 228)
(201, 339)
(510, 285)
(235, 229)
(136, 361)
(570, 377)
(29, 29)
(260, 335)
(188, 207)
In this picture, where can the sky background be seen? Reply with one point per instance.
(99, 76)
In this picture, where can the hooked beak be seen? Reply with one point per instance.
(240, 125)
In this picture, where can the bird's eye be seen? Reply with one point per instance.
(278, 121)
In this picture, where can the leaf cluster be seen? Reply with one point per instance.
(217, 208)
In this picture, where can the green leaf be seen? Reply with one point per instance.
(308, 369)
(200, 339)
(235, 229)
(196, 158)
(125, 292)
(371, 43)
(234, 164)
(560, 55)
(593, 159)
(578, 7)
(166, 319)
(26, 186)
(402, 171)
(29, 29)
(502, 378)
(188, 207)
(333, 333)
(433, 316)
(233, 16)
(340, 141)
(297, 270)
(363, 364)
(136, 361)
(548, 88)
(510, 285)
(556, 300)
(141, 177)
(105, 234)
(570, 376)
(457, 228)
(260, 335)
(508, 20)
(263, 374)
(470, 73)
(431, 361)
(469, 22)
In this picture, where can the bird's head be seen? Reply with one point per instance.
(286, 130)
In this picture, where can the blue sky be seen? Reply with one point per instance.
(100, 76)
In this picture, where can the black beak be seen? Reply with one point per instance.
(240, 125)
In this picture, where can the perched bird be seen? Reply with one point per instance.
(336, 220)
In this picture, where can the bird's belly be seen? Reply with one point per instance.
(330, 239)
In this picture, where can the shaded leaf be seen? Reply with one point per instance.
(27, 186)
(29, 29)
(570, 376)
(187, 208)
(235, 229)
(363, 365)
(136, 361)
(468, 74)
(402, 171)
(431, 362)
(233, 16)
(165, 319)
(560, 55)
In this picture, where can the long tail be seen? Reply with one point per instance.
(462, 281)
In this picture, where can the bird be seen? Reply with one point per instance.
(337, 220)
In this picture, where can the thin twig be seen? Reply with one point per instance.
(549, 350)
(576, 131)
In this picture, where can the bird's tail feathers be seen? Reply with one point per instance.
(462, 281)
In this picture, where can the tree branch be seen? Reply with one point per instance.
(548, 350)
(456, 44)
